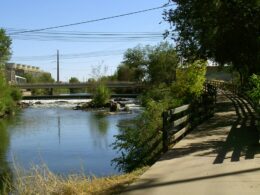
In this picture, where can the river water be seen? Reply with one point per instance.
(68, 141)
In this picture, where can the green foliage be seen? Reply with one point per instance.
(149, 64)
(75, 80)
(5, 47)
(161, 93)
(8, 96)
(101, 95)
(189, 81)
(45, 78)
(42, 78)
(30, 78)
(107, 78)
(16, 94)
(254, 91)
(136, 60)
(163, 61)
(140, 143)
(5, 170)
(225, 31)
(125, 73)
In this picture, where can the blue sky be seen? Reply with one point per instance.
(32, 14)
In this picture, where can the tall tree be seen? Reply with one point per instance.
(227, 31)
(136, 60)
(163, 62)
(5, 47)
(125, 73)
(152, 64)
(8, 95)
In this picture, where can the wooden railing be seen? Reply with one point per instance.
(236, 89)
(178, 121)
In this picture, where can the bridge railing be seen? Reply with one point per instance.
(236, 89)
(178, 121)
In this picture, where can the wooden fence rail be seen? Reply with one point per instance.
(178, 121)
(236, 89)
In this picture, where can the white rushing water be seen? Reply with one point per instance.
(131, 103)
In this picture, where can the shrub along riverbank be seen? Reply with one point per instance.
(141, 143)
(9, 97)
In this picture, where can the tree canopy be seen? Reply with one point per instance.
(5, 47)
(74, 80)
(152, 64)
(226, 31)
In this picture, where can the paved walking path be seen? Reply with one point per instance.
(219, 157)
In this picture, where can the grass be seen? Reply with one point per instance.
(43, 181)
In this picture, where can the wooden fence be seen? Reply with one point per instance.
(178, 121)
(236, 89)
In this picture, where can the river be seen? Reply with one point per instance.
(67, 141)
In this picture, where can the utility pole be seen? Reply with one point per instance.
(58, 67)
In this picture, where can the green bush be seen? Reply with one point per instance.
(8, 96)
(190, 81)
(101, 95)
(140, 144)
(43, 78)
(136, 141)
(16, 94)
(254, 92)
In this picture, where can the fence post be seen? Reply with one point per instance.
(165, 132)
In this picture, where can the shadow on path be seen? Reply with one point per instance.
(234, 123)
(230, 135)
(243, 138)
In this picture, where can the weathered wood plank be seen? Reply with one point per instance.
(181, 120)
(180, 109)
(178, 134)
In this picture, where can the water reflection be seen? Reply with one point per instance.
(59, 128)
(67, 141)
(5, 171)
(99, 126)
(101, 121)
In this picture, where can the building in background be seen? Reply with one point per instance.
(15, 73)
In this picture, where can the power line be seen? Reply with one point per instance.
(71, 56)
(72, 32)
(94, 20)
(70, 36)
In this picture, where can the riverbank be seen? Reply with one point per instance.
(42, 181)
(72, 142)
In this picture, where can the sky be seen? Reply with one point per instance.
(78, 57)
